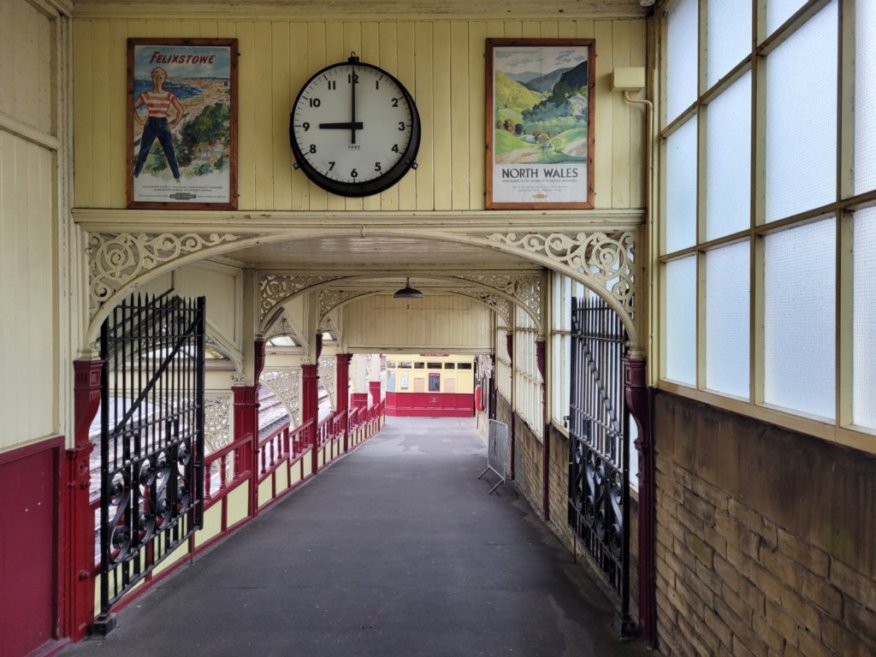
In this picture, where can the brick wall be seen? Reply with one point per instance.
(766, 538)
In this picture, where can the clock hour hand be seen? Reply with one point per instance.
(345, 125)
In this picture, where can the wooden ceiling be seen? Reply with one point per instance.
(486, 8)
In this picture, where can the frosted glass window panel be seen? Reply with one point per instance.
(681, 188)
(634, 453)
(728, 160)
(801, 102)
(681, 57)
(864, 319)
(727, 319)
(778, 11)
(799, 318)
(865, 96)
(680, 320)
(729, 32)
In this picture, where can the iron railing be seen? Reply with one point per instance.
(152, 437)
(598, 509)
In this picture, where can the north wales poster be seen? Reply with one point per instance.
(540, 101)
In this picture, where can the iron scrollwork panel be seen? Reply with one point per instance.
(152, 437)
(598, 507)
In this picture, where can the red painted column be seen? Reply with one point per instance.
(546, 436)
(374, 389)
(639, 402)
(342, 381)
(76, 611)
(310, 407)
(246, 427)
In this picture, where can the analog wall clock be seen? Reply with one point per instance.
(354, 129)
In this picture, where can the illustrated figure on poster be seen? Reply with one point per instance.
(158, 123)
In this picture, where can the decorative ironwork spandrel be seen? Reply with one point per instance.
(152, 437)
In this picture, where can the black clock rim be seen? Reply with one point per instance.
(375, 185)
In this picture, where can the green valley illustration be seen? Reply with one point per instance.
(540, 123)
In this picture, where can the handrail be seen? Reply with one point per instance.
(273, 451)
(239, 472)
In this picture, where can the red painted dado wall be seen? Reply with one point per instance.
(29, 497)
(429, 404)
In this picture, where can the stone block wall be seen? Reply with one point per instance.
(766, 538)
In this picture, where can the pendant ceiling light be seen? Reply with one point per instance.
(408, 292)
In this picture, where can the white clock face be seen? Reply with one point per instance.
(354, 124)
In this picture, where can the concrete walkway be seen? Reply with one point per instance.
(394, 551)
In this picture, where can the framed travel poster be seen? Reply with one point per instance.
(182, 123)
(540, 100)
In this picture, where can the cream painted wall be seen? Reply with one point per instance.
(30, 303)
(222, 287)
(441, 62)
(433, 323)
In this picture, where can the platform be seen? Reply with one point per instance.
(396, 550)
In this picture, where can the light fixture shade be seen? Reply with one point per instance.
(408, 292)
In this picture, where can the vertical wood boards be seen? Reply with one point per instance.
(439, 60)
(28, 296)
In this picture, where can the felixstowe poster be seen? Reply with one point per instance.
(540, 103)
(182, 136)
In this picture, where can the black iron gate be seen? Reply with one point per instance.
(152, 438)
(599, 446)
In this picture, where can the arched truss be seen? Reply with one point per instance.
(601, 259)
(499, 292)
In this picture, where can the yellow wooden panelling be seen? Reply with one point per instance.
(442, 103)
(306, 465)
(423, 95)
(238, 504)
(27, 233)
(439, 61)
(604, 118)
(620, 109)
(212, 525)
(181, 552)
(282, 103)
(265, 495)
(282, 479)
(263, 115)
(26, 68)
(374, 323)
(477, 32)
(460, 140)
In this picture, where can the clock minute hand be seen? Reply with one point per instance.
(344, 125)
(353, 80)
